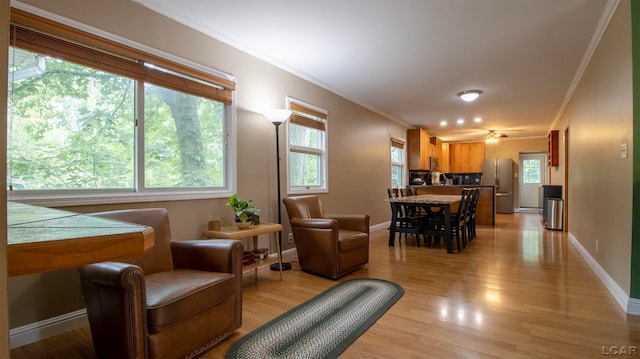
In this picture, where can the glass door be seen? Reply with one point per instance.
(532, 174)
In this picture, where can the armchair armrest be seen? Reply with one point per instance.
(115, 296)
(319, 223)
(224, 255)
(110, 274)
(353, 222)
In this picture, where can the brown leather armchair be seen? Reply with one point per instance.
(329, 245)
(175, 301)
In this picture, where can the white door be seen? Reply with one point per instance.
(532, 174)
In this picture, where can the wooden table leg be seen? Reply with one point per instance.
(255, 246)
(392, 226)
(447, 228)
(278, 252)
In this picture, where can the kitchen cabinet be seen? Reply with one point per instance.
(445, 159)
(436, 147)
(418, 149)
(466, 157)
(476, 156)
(552, 148)
(459, 157)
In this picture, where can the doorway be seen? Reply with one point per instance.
(533, 171)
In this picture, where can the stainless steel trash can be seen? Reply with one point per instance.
(555, 216)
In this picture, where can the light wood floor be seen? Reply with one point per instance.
(518, 291)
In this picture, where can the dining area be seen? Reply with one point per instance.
(433, 217)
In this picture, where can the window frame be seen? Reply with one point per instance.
(322, 153)
(69, 30)
(397, 143)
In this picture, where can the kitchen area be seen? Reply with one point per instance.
(445, 168)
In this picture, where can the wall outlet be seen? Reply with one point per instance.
(290, 239)
(596, 245)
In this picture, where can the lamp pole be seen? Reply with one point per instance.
(277, 117)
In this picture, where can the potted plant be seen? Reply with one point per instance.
(246, 213)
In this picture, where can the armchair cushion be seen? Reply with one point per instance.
(175, 295)
(351, 240)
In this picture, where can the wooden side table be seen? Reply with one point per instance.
(233, 232)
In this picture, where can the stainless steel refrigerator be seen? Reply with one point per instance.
(499, 173)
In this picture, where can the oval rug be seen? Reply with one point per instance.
(324, 326)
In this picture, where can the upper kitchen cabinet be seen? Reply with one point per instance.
(476, 156)
(466, 157)
(436, 147)
(459, 157)
(445, 158)
(418, 149)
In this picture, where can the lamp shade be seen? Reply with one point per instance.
(277, 116)
(469, 95)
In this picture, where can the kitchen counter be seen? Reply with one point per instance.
(486, 211)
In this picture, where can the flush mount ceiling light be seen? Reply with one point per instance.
(469, 95)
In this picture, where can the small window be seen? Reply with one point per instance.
(531, 171)
(307, 148)
(397, 163)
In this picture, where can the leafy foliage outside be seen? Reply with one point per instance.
(304, 162)
(74, 127)
(531, 171)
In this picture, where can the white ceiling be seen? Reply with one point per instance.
(407, 59)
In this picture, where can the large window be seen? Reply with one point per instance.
(397, 163)
(307, 148)
(86, 122)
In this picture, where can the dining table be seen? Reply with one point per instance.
(433, 204)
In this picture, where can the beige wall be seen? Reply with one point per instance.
(512, 149)
(359, 155)
(600, 118)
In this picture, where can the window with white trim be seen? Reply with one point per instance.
(93, 121)
(397, 163)
(307, 148)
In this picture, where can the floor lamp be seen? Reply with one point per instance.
(277, 117)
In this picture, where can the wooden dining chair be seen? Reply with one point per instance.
(471, 210)
(408, 219)
(458, 221)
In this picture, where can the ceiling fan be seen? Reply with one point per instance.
(493, 136)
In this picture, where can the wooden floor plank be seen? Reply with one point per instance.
(517, 291)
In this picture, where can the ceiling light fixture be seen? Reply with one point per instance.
(493, 136)
(469, 95)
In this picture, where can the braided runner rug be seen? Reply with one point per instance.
(324, 326)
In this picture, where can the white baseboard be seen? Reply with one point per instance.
(379, 226)
(43, 329)
(634, 306)
(629, 305)
(287, 252)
